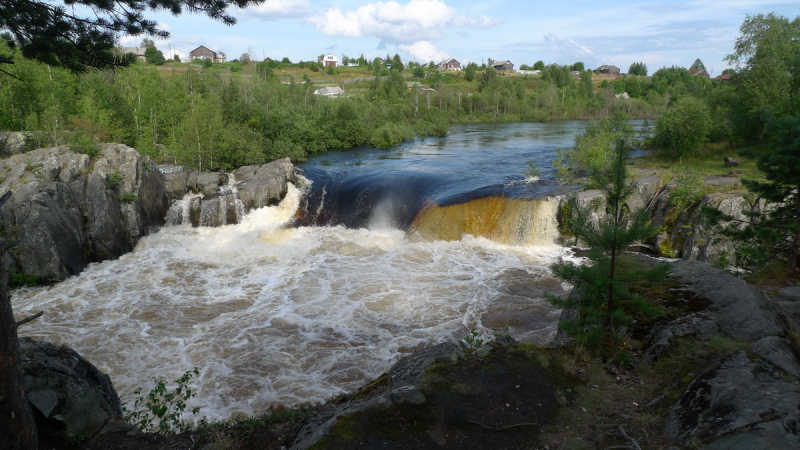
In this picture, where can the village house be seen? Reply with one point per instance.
(329, 91)
(724, 78)
(506, 66)
(329, 60)
(138, 51)
(606, 69)
(204, 52)
(449, 64)
(699, 73)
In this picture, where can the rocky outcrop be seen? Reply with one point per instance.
(70, 397)
(68, 209)
(216, 202)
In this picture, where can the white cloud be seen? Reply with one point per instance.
(571, 49)
(424, 51)
(397, 23)
(277, 10)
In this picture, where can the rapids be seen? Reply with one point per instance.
(285, 308)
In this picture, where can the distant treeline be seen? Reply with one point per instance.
(220, 119)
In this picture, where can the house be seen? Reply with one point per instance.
(724, 78)
(329, 60)
(608, 69)
(138, 51)
(699, 73)
(204, 52)
(329, 91)
(503, 65)
(449, 64)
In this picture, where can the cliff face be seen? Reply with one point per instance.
(68, 210)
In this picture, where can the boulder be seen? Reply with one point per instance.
(68, 210)
(176, 180)
(730, 162)
(741, 403)
(266, 184)
(70, 397)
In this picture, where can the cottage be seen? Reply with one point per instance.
(699, 73)
(506, 66)
(608, 69)
(329, 91)
(329, 60)
(138, 51)
(724, 78)
(449, 64)
(204, 52)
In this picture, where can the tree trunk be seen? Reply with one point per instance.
(17, 429)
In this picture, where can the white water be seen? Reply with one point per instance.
(271, 314)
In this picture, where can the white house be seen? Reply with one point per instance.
(330, 60)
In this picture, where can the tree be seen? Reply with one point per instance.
(772, 232)
(697, 65)
(594, 149)
(578, 67)
(397, 63)
(154, 56)
(683, 128)
(538, 65)
(472, 69)
(638, 68)
(601, 297)
(176, 58)
(419, 72)
(58, 36)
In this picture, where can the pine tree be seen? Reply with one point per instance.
(602, 297)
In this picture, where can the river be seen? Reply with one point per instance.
(377, 254)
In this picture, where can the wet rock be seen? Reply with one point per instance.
(70, 397)
(266, 184)
(739, 402)
(779, 352)
(790, 293)
(208, 183)
(66, 212)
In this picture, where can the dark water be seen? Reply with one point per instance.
(472, 161)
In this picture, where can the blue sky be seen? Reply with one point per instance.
(659, 33)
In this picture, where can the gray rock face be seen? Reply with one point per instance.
(737, 308)
(264, 185)
(741, 403)
(695, 325)
(730, 162)
(67, 210)
(70, 397)
(12, 143)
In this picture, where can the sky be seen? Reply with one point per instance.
(659, 33)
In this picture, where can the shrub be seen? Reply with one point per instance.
(683, 128)
(162, 409)
(80, 142)
(113, 180)
(690, 190)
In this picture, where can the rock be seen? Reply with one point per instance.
(730, 162)
(209, 183)
(790, 293)
(12, 143)
(176, 180)
(66, 212)
(737, 404)
(779, 352)
(264, 185)
(696, 325)
(738, 308)
(71, 398)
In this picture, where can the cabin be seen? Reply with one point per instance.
(138, 51)
(724, 78)
(329, 59)
(607, 69)
(449, 64)
(329, 91)
(700, 73)
(505, 66)
(204, 52)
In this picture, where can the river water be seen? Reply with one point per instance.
(377, 254)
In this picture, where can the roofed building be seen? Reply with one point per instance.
(607, 69)
(329, 60)
(449, 64)
(699, 73)
(506, 66)
(329, 91)
(138, 51)
(204, 52)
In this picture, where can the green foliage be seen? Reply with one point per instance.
(771, 232)
(390, 134)
(594, 149)
(128, 197)
(697, 65)
(207, 63)
(79, 142)
(162, 409)
(24, 279)
(638, 68)
(532, 170)
(577, 67)
(683, 128)
(472, 340)
(419, 72)
(154, 56)
(689, 190)
(113, 180)
(538, 65)
(602, 299)
(331, 70)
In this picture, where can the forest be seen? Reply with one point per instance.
(225, 115)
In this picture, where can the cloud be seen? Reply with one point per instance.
(415, 21)
(277, 10)
(571, 49)
(424, 51)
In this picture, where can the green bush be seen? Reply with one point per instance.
(113, 180)
(24, 279)
(162, 409)
(79, 142)
(689, 190)
(390, 134)
(683, 128)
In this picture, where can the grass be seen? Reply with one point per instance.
(707, 161)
